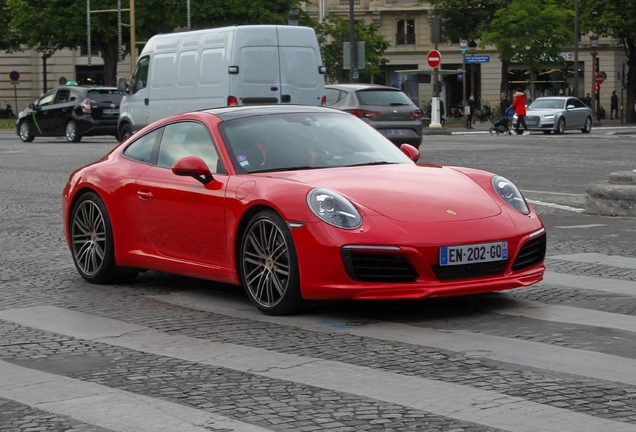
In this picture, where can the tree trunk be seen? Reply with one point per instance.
(630, 111)
(110, 54)
(44, 77)
(503, 87)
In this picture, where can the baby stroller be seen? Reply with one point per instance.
(501, 125)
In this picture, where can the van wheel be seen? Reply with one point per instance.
(125, 132)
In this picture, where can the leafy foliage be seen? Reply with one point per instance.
(334, 31)
(465, 19)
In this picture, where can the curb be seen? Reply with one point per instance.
(614, 197)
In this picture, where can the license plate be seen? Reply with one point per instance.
(531, 122)
(110, 111)
(475, 253)
(396, 132)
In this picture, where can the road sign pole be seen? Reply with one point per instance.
(463, 47)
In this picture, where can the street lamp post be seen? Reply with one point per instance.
(594, 46)
(293, 18)
(472, 49)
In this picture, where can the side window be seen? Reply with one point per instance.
(75, 96)
(62, 96)
(140, 76)
(141, 149)
(577, 103)
(188, 139)
(47, 99)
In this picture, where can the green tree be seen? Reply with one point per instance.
(531, 32)
(468, 19)
(334, 31)
(9, 41)
(617, 20)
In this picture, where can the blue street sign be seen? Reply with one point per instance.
(477, 59)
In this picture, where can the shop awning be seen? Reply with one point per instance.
(430, 71)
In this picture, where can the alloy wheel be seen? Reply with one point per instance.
(88, 237)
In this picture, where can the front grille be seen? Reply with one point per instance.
(532, 118)
(530, 254)
(465, 271)
(377, 267)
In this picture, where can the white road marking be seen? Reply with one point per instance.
(600, 259)
(106, 407)
(614, 286)
(579, 226)
(556, 206)
(452, 400)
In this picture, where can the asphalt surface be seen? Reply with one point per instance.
(169, 353)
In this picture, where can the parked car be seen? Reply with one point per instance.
(558, 114)
(297, 203)
(71, 111)
(387, 109)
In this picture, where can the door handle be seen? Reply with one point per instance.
(144, 195)
(146, 101)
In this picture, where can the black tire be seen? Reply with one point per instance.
(92, 244)
(24, 131)
(71, 132)
(547, 132)
(125, 132)
(560, 127)
(587, 128)
(268, 265)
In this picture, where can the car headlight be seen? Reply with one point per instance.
(548, 116)
(510, 194)
(333, 208)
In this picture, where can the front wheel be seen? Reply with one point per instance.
(268, 265)
(560, 127)
(92, 243)
(71, 132)
(587, 128)
(25, 132)
(125, 132)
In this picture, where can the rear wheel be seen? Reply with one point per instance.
(587, 128)
(71, 132)
(560, 126)
(25, 132)
(268, 265)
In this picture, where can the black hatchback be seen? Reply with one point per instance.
(72, 112)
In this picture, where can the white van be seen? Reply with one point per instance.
(240, 65)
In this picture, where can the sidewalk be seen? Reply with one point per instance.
(613, 127)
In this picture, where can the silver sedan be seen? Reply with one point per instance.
(558, 114)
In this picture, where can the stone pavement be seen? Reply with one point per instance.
(169, 353)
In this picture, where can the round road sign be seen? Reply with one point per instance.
(599, 78)
(14, 76)
(434, 58)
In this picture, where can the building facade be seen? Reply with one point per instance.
(405, 24)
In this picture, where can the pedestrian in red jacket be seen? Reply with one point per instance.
(519, 105)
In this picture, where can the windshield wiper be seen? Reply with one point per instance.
(373, 163)
(284, 169)
(398, 104)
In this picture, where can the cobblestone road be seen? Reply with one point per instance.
(169, 353)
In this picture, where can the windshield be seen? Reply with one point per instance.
(547, 104)
(279, 142)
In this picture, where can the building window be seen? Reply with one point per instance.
(346, 2)
(405, 32)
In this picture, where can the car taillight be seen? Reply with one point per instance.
(364, 113)
(323, 101)
(416, 113)
(232, 101)
(86, 106)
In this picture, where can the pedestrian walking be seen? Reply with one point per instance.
(614, 106)
(587, 100)
(519, 105)
(470, 109)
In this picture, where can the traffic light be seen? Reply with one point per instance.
(436, 29)
(598, 65)
(596, 88)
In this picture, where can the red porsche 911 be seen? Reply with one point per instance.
(297, 203)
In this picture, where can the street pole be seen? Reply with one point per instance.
(575, 93)
(352, 42)
(464, 87)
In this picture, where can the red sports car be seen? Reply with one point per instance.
(297, 203)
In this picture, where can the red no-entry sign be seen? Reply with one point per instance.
(599, 78)
(434, 58)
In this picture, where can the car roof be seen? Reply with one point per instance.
(360, 86)
(556, 97)
(229, 113)
(81, 87)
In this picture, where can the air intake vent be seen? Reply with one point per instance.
(531, 253)
(378, 267)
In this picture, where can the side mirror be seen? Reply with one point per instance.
(193, 166)
(32, 106)
(410, 151)
(570, 107)
(122, 86)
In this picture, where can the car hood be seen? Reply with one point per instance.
(405, 192)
